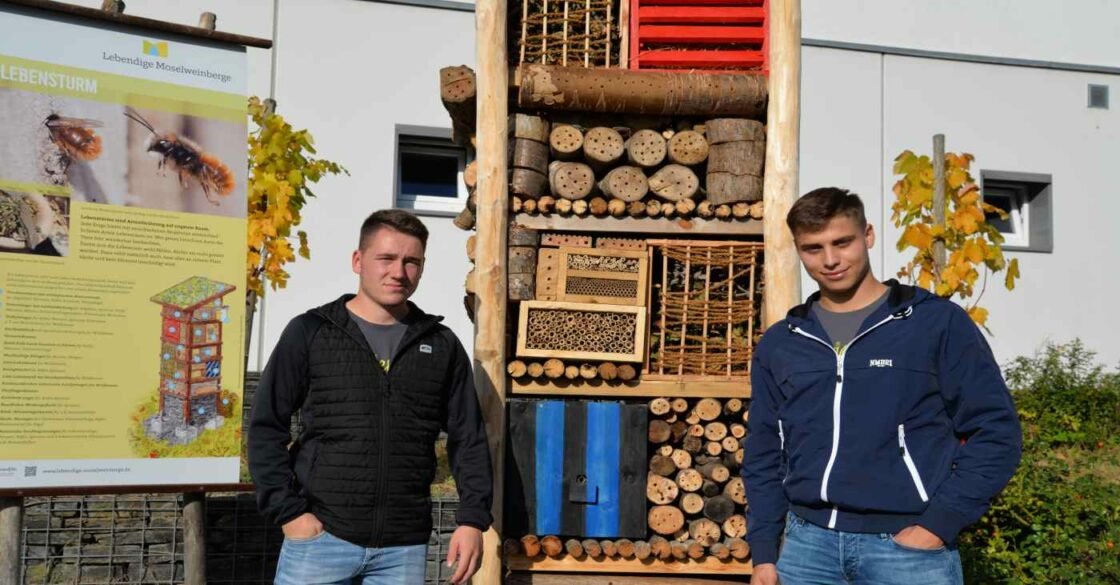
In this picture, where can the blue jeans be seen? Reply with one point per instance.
(328, 560)
(812, 555)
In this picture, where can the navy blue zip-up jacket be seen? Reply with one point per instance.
(869, 439)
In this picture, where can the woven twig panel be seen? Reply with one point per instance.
(706, 308)
(574, 33)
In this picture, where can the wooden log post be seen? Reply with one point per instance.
(662, 93)
(194, 538)
(194, 503)
(11, 519)
(490, 325)
(780, 188)
(208, 21)
(939, 198)
(458, 89)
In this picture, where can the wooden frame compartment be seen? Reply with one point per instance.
(626, 294)
(574, 327)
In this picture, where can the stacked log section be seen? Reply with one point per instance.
(674, 183)
(646, 149)
(522, 263)
(694, 541)
(529, 127)
(603, 147)
(693, 472)
(529, 157)
(688, 148)
(570, 180)
(625, 183)
(737, 151)
(565, 142)
(557, 369)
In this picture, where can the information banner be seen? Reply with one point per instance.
(122, 255)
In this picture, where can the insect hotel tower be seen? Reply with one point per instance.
(635, 161)
(190, 373)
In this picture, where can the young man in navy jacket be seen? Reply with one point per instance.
(880, 425)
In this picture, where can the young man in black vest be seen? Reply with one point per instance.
(375, 380)
(880, 425)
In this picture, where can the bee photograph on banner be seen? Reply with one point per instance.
(67, 145)
(179, 162)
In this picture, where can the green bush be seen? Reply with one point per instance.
(1058, 521)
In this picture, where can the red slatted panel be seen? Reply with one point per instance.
(721, 59)
(701, 15)
(715, 35)
(701, 34)
(704, 2)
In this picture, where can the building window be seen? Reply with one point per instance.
(1026, 198)
(429, 172)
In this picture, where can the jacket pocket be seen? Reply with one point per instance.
(913, 469)
(304, 469)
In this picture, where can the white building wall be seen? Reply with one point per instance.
(1074, 31)
(861, 109)
(352, 70)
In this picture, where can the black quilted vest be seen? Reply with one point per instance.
(366, 456)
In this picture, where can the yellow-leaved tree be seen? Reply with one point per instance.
(281, 170)
(971, 243)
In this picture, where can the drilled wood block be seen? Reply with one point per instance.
(556, 239)
(547, 273)
(621, 244)
(602, 275)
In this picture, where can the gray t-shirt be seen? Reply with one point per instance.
(842, 327)
(383, 339)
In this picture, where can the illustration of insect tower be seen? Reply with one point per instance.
(190, 373)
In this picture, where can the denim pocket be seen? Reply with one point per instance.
(793, 522)
(914, 549)
(321, 534)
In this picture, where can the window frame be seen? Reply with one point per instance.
(1032, 208)
(428, 140)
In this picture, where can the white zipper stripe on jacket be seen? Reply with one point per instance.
(910, 464)
(839, 392)
(781, 435)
